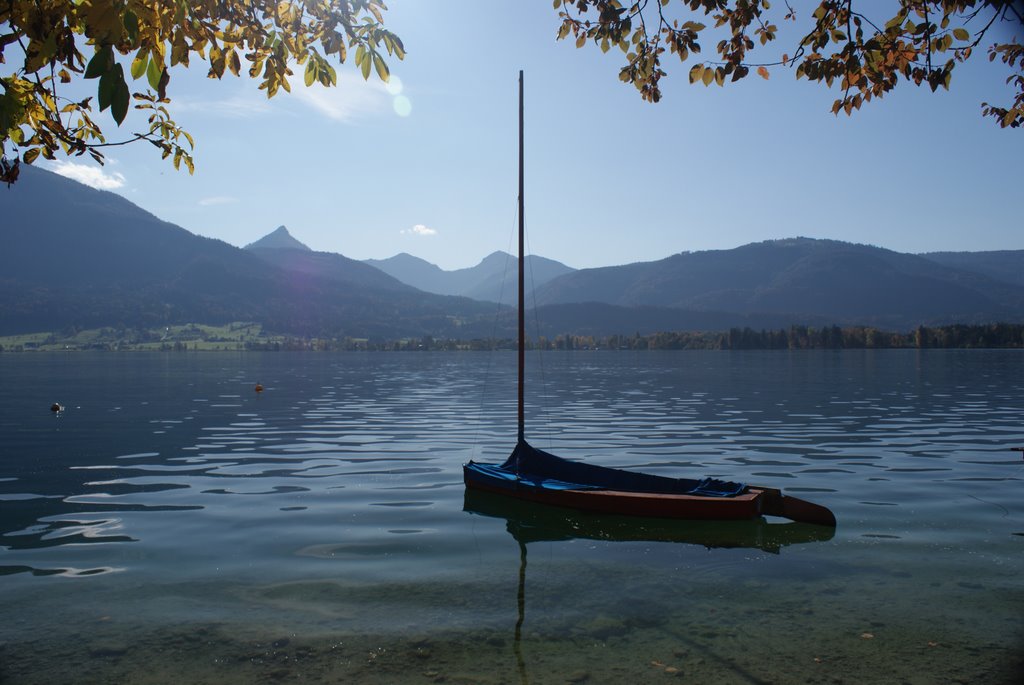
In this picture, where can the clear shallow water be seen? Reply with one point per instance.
(171, 525)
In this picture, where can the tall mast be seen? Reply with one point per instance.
(522, 299)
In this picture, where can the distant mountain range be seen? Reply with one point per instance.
(494, 279)
(72, 256)
(281, 250)
(800, 278)
(1002, 265)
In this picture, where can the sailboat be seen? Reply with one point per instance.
(537, 476)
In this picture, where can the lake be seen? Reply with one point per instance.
(172, 525)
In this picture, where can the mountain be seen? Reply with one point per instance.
(279, 238)
(278, 249)
(74, 256)
(598, 319)
(419, 273)
(1002, 265)
(500, 286)
(800, 279)
(493, 279)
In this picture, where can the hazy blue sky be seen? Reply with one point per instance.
(428, 165)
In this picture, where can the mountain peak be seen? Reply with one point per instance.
(278, 239)
(496, 259)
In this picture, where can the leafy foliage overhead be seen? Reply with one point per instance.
(866, 47)
(48, 44)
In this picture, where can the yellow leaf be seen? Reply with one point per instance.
(233, 63)
(382, 68)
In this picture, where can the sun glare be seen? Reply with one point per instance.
(401, 104)
(394, 85)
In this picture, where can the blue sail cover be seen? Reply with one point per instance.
(527, 463)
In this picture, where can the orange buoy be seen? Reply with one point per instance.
(55, 407)
(259, 387)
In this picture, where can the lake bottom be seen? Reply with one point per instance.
(706, 619)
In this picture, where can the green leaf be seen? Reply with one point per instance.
(131, 26)
(121, 97)
(139, 65)
(100, 63)
(105, 91)
(310, 74)
(153, 73)
(49, 48)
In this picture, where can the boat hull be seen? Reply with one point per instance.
(741, 507)
(536, 476)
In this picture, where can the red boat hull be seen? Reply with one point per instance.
(749, 505)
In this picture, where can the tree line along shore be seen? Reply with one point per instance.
(252, 337)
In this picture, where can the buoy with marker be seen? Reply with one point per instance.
(56, 407)
(259, 387)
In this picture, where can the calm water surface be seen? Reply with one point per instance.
(172, 525)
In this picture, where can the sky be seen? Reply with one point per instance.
(427, 164)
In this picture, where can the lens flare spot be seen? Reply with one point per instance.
(394, 85)
(402, 105)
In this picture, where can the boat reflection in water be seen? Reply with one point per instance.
(532, 522)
